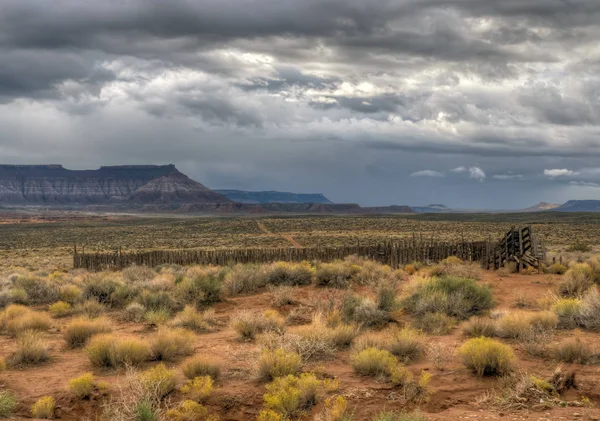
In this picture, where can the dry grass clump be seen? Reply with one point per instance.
(557, 269)
(202, 286)
(38, 290)
(248, 324)
(29, 320)
(517, 324)
(244, 279)
(407, 344)
(399, 416)
(434, 323)
(453, 296)
(70, 294)
(159, 380)
(590, 310)
(290, 396)
(576, 281)
(386, 295)
(78, 332)
(277, 363)
(282, 295)
(521, 391)
(576, 351)
(379, 340)
(138, 274)
(362, 311)
(44, 408)
(199, 366)
(157, 317)
(284, 273)
(197, 321)
(90, 308)
(485, 356)
(110, 351)
(7, 404)
(134, 312)
(31, 350)
(171, 344)
(336, 274)
(480, 326)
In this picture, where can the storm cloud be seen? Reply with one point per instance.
(345, 97)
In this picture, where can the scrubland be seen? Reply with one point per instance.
(345, 340)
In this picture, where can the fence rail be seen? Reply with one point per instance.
(395, 254)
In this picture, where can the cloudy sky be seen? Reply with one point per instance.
(470, 103)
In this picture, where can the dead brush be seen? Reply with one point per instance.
(520, 391)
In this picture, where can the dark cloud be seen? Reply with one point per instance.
(344, 96)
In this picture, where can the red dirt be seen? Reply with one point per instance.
(239, 397)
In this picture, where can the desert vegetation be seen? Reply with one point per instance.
(350, 339)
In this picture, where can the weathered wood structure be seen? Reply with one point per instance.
(518, 245)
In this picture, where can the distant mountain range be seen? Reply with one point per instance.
(241, 196)
(579, 206)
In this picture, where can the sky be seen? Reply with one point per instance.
(468, 103)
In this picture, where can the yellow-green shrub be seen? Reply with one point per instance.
(407, 344)
(291, 395)
(44, 408)
(200, 365)
(576, 281)
(336, 274)
(157, 317)
(70, 294)
(434, 323)
(517, 324)
(30, 320)
(7, 404)
(158, 381)
(374, 362)
(485, 356)
(192, 319)
(248, 324)
(109, 351)
(277, 363)
(284, 273)
(78, 332)
(557, 269)
(190, 411)
(60, 309)
(171, 344)
(568, 311)
(82, 386)
(198, 389)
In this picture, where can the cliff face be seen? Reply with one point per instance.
(242, 196)
(55, 185)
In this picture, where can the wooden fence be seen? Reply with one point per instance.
(395, 254)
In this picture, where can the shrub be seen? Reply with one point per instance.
(244, 279)
(134, 312)
(485, 356)
(82, 386)
(203, 287)
(157, 301)
(342, 336)
(434, 323)
(44, 408)
(70, 294)
(78, 332)
(157, 317)
(368, 314)
(91, 309)
(191, 319)
(248, 324)
(158, 380)
(407, 345)
(7, 404)
(38, 290)
(277, 363)
(454, 296)
(2, 364)
(568, 311)
(291, 395)
(335, 275)
(123, 295)
(60, 309)
(386, 295)
(399, 416)
(171, 344)
(109, 351)
(480, 326)
(190, 411)
(199, 366)
(590, 310)
(575, 351)
(517, 324)
(576, 281)
(29, 321)
(372, 340)
(198, 389)
(283, 273)
(138, 274)
(99, 287)
(557, 269)
(374, 362)
(282, 295)
(580, 247)
(31, 349)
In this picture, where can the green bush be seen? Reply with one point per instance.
(568, 311)
(407, 344)
(155, 301)
(485, 356)
(454, 296)
(99, 288)
(7, 404)
(202, 287)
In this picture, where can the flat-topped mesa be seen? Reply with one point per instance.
(54, 184)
